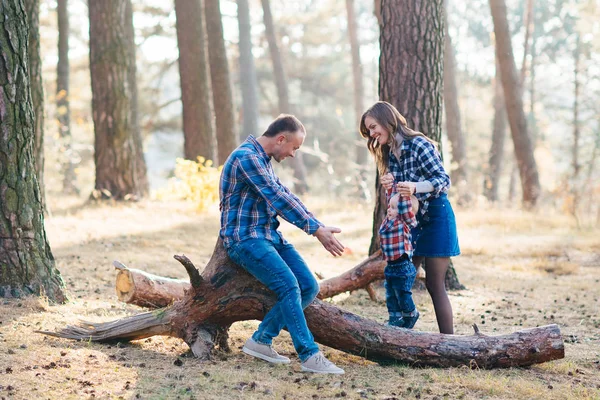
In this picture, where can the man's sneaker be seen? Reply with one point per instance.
(264, 352)
(319, 364)
(398, 322)
(411, 319)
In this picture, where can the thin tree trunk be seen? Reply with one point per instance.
(32, 8)
(63, 112)
(248, 80)
(514, 106)
(221, 83)
(357, 79)
(498, 136)
(300, 182)
(575, 192)
(193, 73)
(453, 126)
(26, 262)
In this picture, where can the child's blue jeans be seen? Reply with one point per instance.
(399, 278)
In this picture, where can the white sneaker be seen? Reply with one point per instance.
(264, 352)
(319, 364)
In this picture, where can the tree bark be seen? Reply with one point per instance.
(225, 293)
(362, 153)
(32, 8)
(119, 157)
(411, 73)
(496, 154)
(220, 80)
(300, 181)
(143, 289)
(63, 113)
(248, 80)
(193, 73)
(26, 262)
(458, 171)
(514, 106)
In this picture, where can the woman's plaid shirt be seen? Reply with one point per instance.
(251, 197)
(394, 234)
(420, 161)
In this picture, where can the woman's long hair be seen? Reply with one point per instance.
(392, 121)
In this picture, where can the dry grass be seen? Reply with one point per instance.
(520, 269)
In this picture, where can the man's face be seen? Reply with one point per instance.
(287, 143)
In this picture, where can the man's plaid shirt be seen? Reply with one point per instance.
(420, 161)
(394, 234)
(251, 197)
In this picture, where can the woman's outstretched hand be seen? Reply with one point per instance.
(325, 234)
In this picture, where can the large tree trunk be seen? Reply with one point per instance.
(514, 106)
(496, 154)
(193, 73)
(220, 80)
(300, 182)
(411, 72)
(63, 113)
(26, 262)
(224, 294)
(458, 172)
(119, 157)
(32, 8)
(248, 78)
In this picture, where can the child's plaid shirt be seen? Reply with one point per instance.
(394, 234)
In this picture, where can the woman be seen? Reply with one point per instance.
(410, 159)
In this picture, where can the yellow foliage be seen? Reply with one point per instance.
(197, 182)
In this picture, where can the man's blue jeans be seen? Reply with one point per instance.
(279, 267)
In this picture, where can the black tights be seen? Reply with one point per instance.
(435, 281)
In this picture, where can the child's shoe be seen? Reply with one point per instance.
(396, 321)
(410, 319)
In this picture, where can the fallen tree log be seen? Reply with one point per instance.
(143, 289)
(225, 293)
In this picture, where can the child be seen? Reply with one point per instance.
(396, 248)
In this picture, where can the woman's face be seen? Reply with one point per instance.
(376, 131)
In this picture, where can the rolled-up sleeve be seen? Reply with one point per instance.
(431, 167)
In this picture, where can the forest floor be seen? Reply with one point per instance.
(520, 270)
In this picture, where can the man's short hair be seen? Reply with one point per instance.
(284, 123)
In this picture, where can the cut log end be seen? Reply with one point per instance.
(125, 285)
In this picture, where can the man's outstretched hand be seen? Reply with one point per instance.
(329, 241)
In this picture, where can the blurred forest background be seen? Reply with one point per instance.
(556, 50)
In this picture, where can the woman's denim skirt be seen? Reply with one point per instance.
(435, 234)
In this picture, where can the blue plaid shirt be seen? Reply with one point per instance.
(420, 161)
(251, 197)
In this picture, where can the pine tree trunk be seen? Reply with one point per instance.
(411, 71)
(300, 181)
(498, 135)
(221, 84)
(26, 262)
(248, 80)
(458, 173)
(193, 72)
(514, 106)
(63, 113)
(362, 153)
(119, 157)
(32, 8)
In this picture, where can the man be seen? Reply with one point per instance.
(251, 198)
